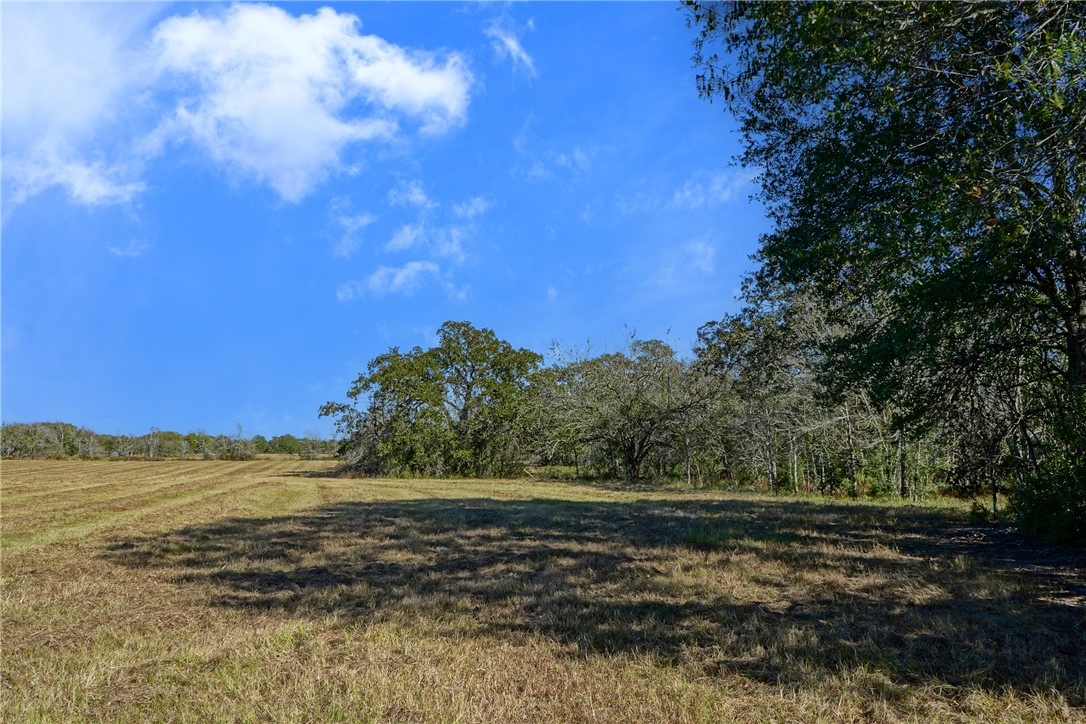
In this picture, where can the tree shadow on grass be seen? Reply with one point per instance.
(782, 592)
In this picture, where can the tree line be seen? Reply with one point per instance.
(755, 405)
(61, 440)
(747, 408)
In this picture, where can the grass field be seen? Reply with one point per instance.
(272, 591)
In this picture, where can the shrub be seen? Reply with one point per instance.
(1052, 502)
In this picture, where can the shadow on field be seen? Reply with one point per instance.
(778, 591)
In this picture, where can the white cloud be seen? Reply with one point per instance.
(68, 69)
(438, 235)
(390, 280)
(88, 101)
(442, 242)
(719, 188)
(410, 193)
(457, 293)
(577, 160)
(89, 183)
(276, 97)
(449, 243)
(699, 257)
(552, 293)
(507, 45)
(406, 237)
(356, 222)
(681, 266)
(475, 206)
(134, 247)
(548, 163)
(352, 225)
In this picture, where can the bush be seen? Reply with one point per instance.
(979, 513)
(1052, 503)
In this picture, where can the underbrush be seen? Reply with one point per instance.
(1051, 503)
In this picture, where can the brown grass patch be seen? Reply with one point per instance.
(253, 591)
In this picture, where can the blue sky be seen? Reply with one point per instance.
(217, 214)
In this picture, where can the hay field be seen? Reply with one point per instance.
(271, 591)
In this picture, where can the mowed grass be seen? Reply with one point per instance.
(272, 591)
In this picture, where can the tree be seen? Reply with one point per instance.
(235, 447)
(627, 406)
(793, 424)
(452, 409)
(285, 444)
(923, 164)
(313, 446)
(201, 443)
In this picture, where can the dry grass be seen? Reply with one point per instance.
(268, 591)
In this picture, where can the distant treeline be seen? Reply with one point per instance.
(64, 440)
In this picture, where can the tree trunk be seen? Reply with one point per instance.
(1076, 371)
(632, 462)
(902, 484)
(820, 471)
(794, 463)
(851, 456)
(686, 445)
(770, 468)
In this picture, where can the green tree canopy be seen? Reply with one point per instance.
(627, 406)
(923, 164)
(451, 409)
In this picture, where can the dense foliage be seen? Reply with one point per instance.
(453, 409)
(750, 408)
(923, 164)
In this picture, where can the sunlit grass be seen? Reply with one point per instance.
(270, 591)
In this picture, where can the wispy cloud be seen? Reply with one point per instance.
(699, 257)
(449, 243)
(440, 240)
(506, 44)
(406, 237)
(88, 183)
(135, 247)
(684, 265)
(576, 161)
(549, 163)
(438, 235)
(410, 193)
(473, 207)
(351, 226)
(390, 280)
(712, 189)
